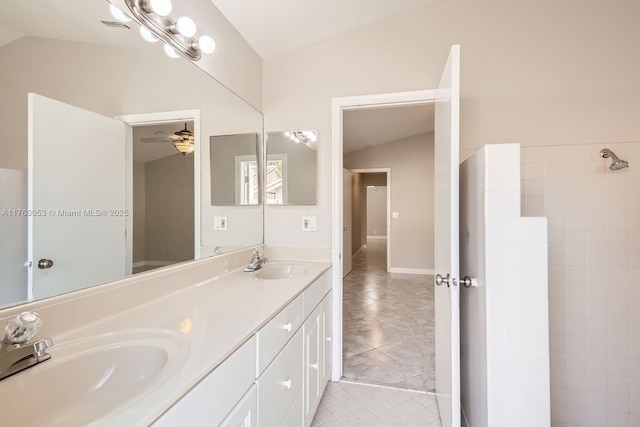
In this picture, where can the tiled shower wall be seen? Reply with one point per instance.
(594, 292)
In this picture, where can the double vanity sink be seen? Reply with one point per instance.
(281, 271)
(129, 368)
(89, 378)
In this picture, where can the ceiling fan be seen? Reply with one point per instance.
(182, 140)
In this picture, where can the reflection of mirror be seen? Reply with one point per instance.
(65, 53)
(291, 175)
(235, 177)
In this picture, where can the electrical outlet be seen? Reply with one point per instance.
(220, 223)
(396, 215)
(308, 223)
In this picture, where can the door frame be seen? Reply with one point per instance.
(338, 106)
(146, 119)
(388, 172)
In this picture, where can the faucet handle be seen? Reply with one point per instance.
(42, 346)
(22, 328)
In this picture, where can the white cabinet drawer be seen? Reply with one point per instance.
(280, 384)
(275, 334)
(209, 402)
(245, 414)
(314, 293)
(294, 417)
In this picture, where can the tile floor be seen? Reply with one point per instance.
(388, 324)
(362, 405)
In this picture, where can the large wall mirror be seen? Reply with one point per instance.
(291, 172)
(147, 205)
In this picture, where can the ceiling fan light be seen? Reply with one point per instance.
(186, 27)
(206, 44)
(171, 52)
(161, 7)
(118, 14)
(185, 147)
(147, 35)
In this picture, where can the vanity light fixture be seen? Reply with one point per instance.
(147, 36)
(159, 7)
(304, 137)
(171, 52)
(185, 26)
(179, 35)
(118, 14)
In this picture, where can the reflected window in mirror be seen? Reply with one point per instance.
(276, 180)
(235, 170)
(292, 168)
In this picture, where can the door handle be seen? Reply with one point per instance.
(345, 228)
(449, 281)
(45, 263)
(469, 282)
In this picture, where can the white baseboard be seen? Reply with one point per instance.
(376, 237)
(411, 270)
(363, 247)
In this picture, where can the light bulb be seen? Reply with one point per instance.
(118, 14)
(171, 52)
(161, 7)
(186, 26)
(206, 44)
(147, 35)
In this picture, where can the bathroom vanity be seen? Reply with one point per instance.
(197, 344)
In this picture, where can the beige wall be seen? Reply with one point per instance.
(377, 211)
(169, 208)
(534, 72)
(411, 163)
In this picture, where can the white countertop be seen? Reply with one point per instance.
(212, 318)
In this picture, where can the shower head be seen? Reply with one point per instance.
(617, 163)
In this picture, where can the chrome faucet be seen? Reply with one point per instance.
(256, 261)
(16, 353)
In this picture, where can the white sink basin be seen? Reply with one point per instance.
(281, 270)
(88, 379)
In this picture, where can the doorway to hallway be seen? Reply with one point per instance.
(388, 323)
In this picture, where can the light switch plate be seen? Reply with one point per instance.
(396, 214)
(220, 223)
(308, 223)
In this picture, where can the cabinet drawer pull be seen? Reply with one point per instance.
(288, 327)
(314, 366)
(328, 339)
(287, 384)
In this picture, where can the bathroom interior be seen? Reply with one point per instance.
(549, 336)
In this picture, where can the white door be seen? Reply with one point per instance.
(76, 196)
(446, 241)
(347, 180)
